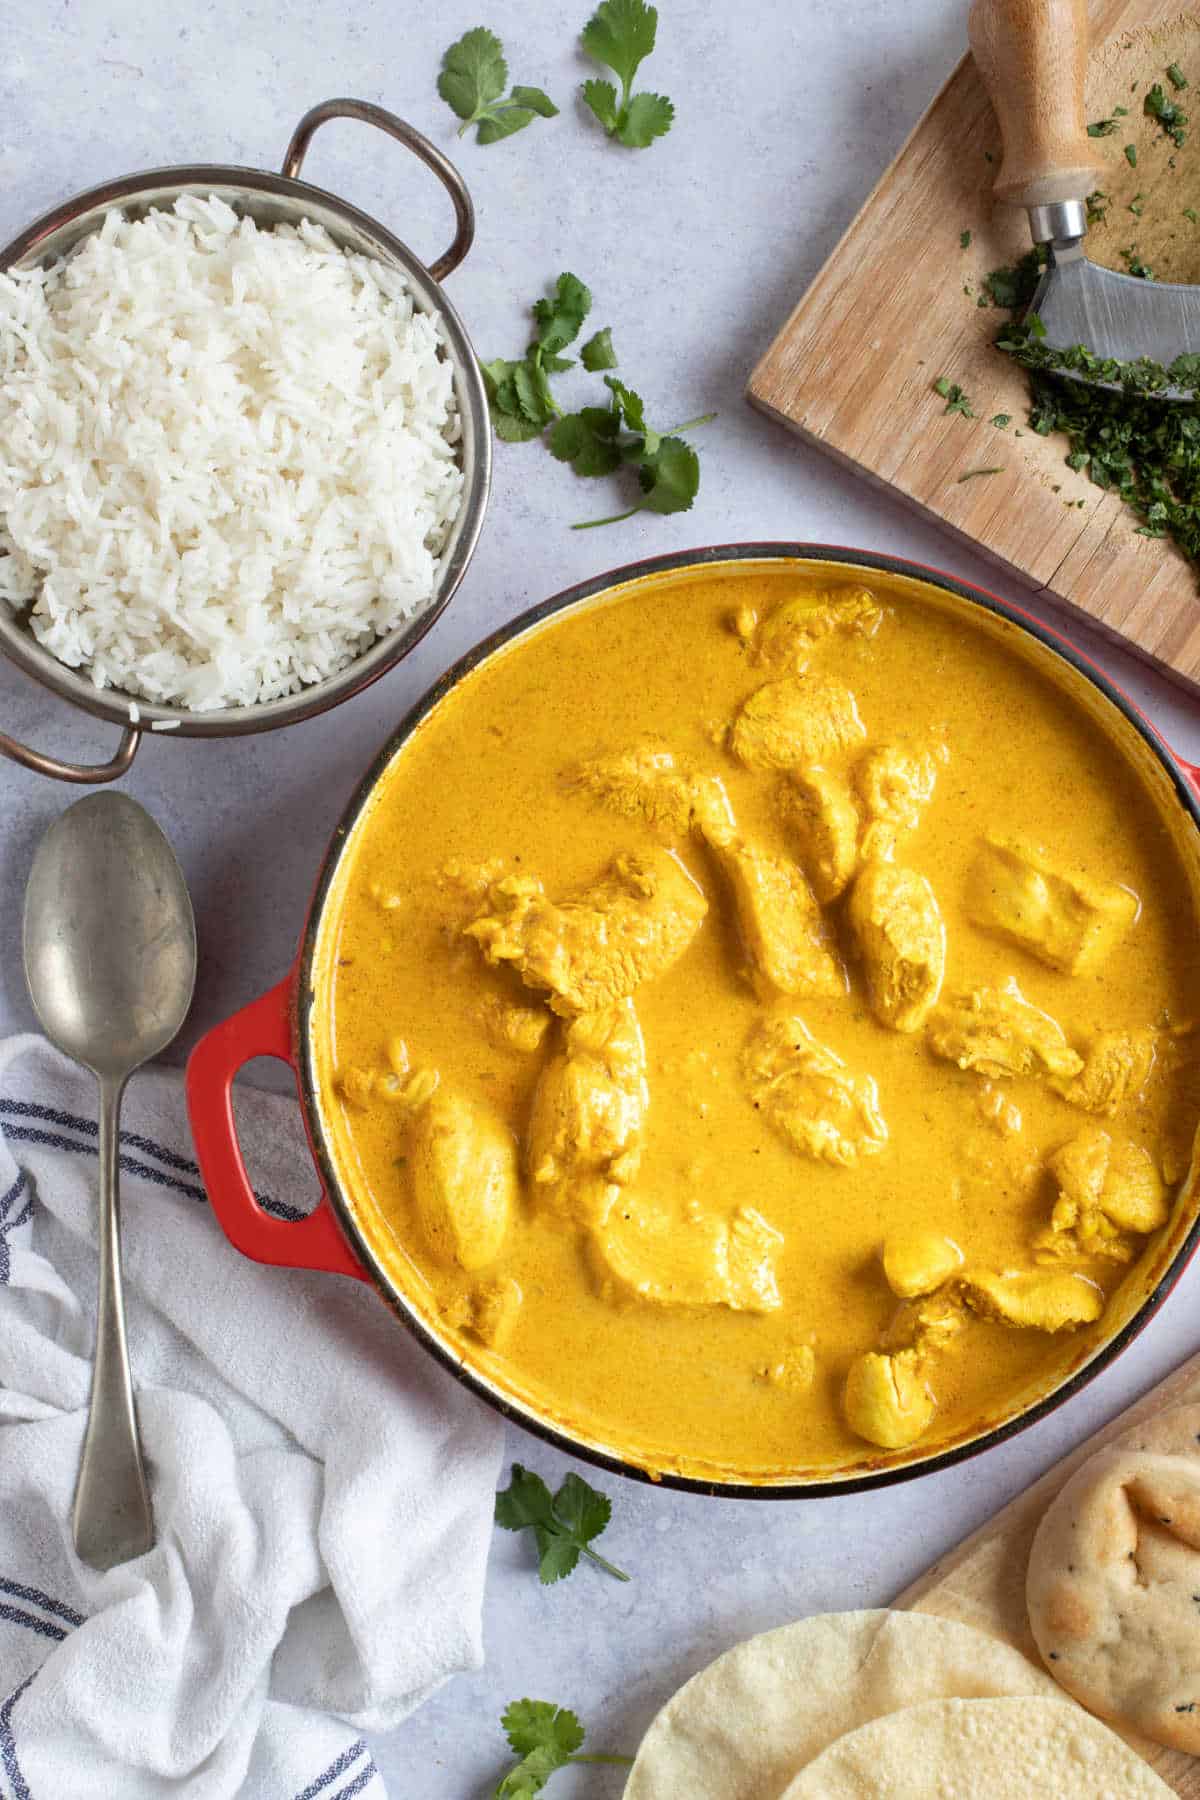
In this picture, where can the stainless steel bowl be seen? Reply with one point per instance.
(271, 199)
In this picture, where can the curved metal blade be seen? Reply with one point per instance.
(1116, 315)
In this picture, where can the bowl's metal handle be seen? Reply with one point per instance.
(443, 168)
(83, 774)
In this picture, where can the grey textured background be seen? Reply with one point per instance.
(695, 249)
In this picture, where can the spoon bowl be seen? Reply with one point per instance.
(110, 959)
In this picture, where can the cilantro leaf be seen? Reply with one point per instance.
(598, 352)
(472, 83)
(620, 35)
(560, 319)
(1176, 77)
(564, 1525)
(648, 116)
(581, 1509)
(525, 1501)
(536, 101)
(503, 124)
(601, 96)
(627, 404)
(546, 1737)
(671, 477)
(587, 440)
(531, 1724)
(474, 73)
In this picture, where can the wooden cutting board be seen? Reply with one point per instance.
(852, 370)
(982, 1582)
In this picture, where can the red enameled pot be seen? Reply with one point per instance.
(276, 1025)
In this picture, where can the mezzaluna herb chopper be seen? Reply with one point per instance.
(1032, 55)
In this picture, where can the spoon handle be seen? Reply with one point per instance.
(112, 1518)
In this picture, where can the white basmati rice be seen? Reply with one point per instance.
(228, 456)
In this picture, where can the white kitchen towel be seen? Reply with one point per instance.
(322, 1491)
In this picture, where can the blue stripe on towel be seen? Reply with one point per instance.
(35, 1595)
(50, 1115)
(8, 1747)
(358, 1784)
(28, 1134)
(10, 1220)
(15, 1615)
(334, 1770)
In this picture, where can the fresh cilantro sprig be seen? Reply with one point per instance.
(595, 440)
(620, 35)
(599, 439)
(519, 396)
(563, 1525)
(472, 83)
(546, 1737)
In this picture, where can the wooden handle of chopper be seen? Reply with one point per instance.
(1032, 55)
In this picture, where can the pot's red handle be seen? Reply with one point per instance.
(261, 1029)
(1192, 772)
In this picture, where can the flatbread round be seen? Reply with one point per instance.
(1113, 1587)
(745, 1725)
(1028, 1749)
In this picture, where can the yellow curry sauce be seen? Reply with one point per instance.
(717, 1288)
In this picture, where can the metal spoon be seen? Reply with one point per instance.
(110, 958)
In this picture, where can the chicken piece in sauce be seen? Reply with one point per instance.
(1067, 919)
(901, 938)
(793, 723)
(1033, 1299)
(651, 785)
(887, 1398)
(786, 940)
(821, 816)
(1116, 1068)
(809, 1097)
(597, 946)
(787, 635)
(589, 1108)
(648, 1254)
(1109, 1192)
(462, 1162)
(896, 784)
(997, 1032)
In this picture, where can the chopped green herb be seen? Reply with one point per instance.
(546, 1738)
(1121, 112)
(1135, 265)
(1176, 77)
(472, 83)
(1169, 114)
(964, 241)
(1122, 436)
(1131, 155)
(1136, 206)
(970, 474)
(1102, 127)
(952, 394)
(1097, 206)
(598, 352)
(621, 35)
(563, 1525)
(1189, 212)
(1016, 285)
(1001, 420)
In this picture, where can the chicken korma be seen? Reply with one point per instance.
(756, 1017)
